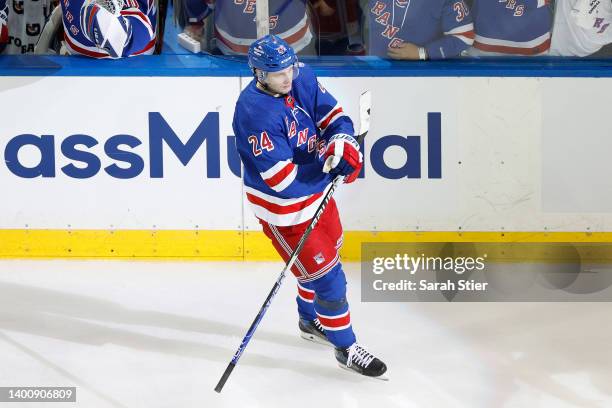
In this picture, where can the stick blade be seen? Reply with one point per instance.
(224, 377)
(365, 105)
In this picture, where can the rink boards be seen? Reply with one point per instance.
(147, 167)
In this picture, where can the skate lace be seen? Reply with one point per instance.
(318, 324)
(359, 355)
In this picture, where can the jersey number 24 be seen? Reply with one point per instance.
(266, 143)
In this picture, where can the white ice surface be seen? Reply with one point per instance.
(159, 334)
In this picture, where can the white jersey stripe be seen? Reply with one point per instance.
(78, 44)
(525, 44)
(335, 118)
(271, 172)
(328, 113)
(248, 41)
(334, 317)
(276, 200)
(461, 29)
(467, 40)
(305, 289)
(286, 181)
(283, 220)
(135, 13)
(336, 328)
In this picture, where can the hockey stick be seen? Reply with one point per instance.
(162, 9)
(262, 17)
(365, 102)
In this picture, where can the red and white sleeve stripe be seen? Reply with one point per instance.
(536, 46)
(139, 15)
(334, 114)
(465, 33)
(280, 176)
(147, 50)
(76, 48)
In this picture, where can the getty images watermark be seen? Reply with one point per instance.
(486, 272)
(411, 265)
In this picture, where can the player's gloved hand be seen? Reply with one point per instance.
(342, 156)
(108, 31)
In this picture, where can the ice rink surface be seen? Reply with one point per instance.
(160, 334)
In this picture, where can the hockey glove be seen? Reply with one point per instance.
(342, 156)
(108, 31)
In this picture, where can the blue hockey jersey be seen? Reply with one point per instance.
(236, 29)
(519, 27)
(140, 14)
(443, 27)
(197, 10)
(281, 142)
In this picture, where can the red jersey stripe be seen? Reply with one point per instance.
(83, 51)
(150, 45)
(282, 209)
(331, 116)
(468, 34)
(243, 49)
(513, 50)
(280, 176)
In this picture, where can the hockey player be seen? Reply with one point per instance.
(192, 17)
(235, 27)
(582, 27)
(109, 28)
(419, 29)
(338, 27)
(287, 125)
(21, 23)
(511, 27)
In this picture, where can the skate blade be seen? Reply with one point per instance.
(315, 339)
(380, 377)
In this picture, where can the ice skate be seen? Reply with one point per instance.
(360, 360)
(313, 331)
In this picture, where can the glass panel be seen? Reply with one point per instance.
(388, 29)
